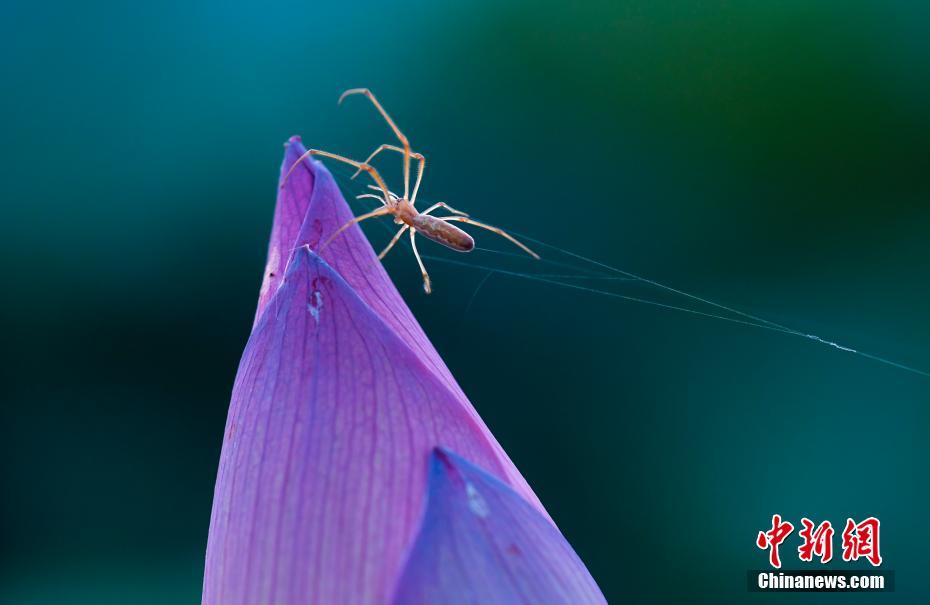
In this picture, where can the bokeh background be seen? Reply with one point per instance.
(769, 155)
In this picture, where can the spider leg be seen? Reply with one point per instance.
(393, 195)
(413, 244)
(417, 156)
(496, 230)
(393, 241)
(446, 206)
(371, 195)
(361, 166)
(400, 136)
(358, 219)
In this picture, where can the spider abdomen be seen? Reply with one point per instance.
(443, 233)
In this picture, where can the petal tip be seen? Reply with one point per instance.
(505, 551)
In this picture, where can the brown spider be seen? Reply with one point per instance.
(436, 228)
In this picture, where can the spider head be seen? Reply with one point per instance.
(404, 212)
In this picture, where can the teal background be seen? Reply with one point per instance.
(771, 156)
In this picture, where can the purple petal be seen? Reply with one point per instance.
(289, 213)
(352, 256)
(481, 543)
(338, 402)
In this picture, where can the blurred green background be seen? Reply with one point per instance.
(771, 156)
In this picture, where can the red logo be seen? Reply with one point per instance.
(816, 541)
(772, 538)
(862, 541)
(859, 540)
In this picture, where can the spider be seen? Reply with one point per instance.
(436, 228)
